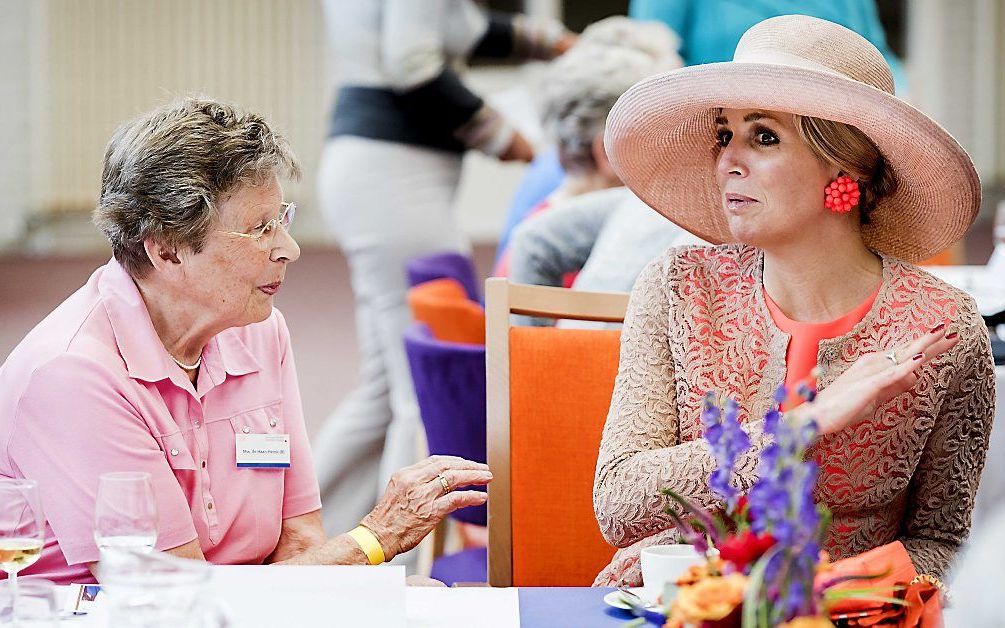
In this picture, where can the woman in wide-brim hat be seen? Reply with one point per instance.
(820, 188)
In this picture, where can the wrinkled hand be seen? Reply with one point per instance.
(874, 379)
(414, 501)
(519, 149)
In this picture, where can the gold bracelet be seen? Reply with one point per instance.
(369, 543)
(935, 582)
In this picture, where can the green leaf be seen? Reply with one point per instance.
(753, 615)
(696, 512)
(874, 598)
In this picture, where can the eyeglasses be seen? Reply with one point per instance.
(265, 234)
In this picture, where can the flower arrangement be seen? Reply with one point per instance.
(763, 561)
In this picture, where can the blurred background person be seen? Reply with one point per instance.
(387, 181)
(577, 92)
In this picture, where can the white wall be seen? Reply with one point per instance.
(14, 141)
(956, 70)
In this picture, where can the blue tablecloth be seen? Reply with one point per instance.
(571, 607)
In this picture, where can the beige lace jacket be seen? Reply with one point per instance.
(697, 321)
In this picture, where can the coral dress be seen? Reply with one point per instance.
(804, 343)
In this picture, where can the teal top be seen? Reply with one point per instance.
(710, 29)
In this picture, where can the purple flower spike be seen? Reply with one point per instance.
(727, 441)
(780, 395)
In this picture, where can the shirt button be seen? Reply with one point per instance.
(246, 429)
(273, 422)
(203, 464)
(197, 424)
(209, 506)
(174, 452)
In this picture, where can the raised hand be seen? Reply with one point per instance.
(417, 499)
(875, 378)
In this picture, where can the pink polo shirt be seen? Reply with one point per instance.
(91, 389)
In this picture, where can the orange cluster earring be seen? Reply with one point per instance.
(842, 195)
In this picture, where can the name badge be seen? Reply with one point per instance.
(263, 451)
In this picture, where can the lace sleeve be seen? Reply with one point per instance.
(641, 452)
(945, 483)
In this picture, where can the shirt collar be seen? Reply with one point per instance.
(142, 350)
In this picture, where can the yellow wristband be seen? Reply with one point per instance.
(369, 544)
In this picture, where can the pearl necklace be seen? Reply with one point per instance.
(187, 367)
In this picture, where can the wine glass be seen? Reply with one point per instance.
(125, 516)
(22, 527)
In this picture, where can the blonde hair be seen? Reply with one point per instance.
(849, 150)
(165, 171)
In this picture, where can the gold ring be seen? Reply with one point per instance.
(443, 483)
(892, 356)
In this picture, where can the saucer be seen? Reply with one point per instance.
(615, 599)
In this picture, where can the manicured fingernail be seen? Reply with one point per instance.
(952, 335)
(920, 356)
(938, 327)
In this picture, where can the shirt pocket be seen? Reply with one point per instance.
(264, 420)
(177, 452)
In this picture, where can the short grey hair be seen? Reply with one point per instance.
(580, 87)
(165, 172)
(655, 39)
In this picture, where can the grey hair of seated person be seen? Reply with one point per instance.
(655, 39)
(579, 88)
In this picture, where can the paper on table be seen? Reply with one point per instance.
(486, 607)
(286, 595)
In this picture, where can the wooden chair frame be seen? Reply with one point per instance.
(503, 299)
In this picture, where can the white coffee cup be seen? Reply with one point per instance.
(662, 564)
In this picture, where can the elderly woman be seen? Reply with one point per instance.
(578, 91)
(820, 187)
(172, 351)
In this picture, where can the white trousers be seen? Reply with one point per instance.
(385, 203)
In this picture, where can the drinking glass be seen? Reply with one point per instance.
(125, 516)
(22, 526)
(28, 603)
(153, 589)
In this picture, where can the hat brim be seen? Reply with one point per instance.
(660, 138)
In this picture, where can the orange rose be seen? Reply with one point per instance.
(808, 622)
(695, 573)
(709, 599)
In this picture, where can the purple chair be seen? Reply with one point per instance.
(470, 565)
(449, 379)
(439, 265)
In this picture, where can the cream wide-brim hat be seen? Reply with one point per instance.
(660, 135)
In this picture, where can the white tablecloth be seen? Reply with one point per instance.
(257, 596)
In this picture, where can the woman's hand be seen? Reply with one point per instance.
(874, 379)
(415, 500)
(519, 149)
(563, 44)
(625, 570)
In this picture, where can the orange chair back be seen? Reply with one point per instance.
(444, 307)
(548, 394)
(561, 382)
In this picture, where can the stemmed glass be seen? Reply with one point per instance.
(22, 527)
(125, 515)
